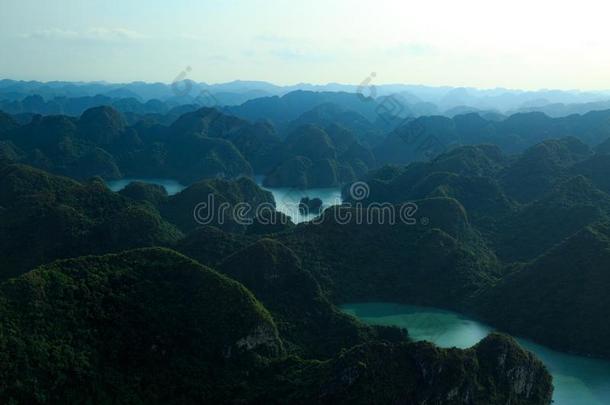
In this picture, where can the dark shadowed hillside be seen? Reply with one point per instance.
(45, 217)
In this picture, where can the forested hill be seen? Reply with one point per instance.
(329, 141)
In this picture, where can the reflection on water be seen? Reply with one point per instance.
(171, 186)
(577, 380)
(287, 199)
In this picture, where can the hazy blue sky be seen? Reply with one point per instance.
(518, 44)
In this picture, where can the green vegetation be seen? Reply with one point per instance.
(220, 197)
(514, 231)
(317, 158)
(146, 326)
(152, 326)
(138, 191)
(45, 217)
(561, 297)
(537, 227)
(534, 226)
(302, 139)
(101, 143)
(497, 371)
(400, 262)
(535, 172)
(310, 324)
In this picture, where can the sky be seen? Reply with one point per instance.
(531, 44)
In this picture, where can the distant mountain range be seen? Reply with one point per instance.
(512, 227)
(408, 100)
(302, 139)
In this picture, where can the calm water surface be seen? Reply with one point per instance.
(287, 199)
(577, 380)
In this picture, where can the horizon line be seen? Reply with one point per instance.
(283, 86)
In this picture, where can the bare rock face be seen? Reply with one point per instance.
(495, 371)
(262, 336)
(515, 370)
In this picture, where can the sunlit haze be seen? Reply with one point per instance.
(516, 44)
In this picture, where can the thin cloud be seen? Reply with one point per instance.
(51, 33)
(299, 55)
(273, 39)
(412, 49)
(191, 37)
(114, 33)
(94, 34)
